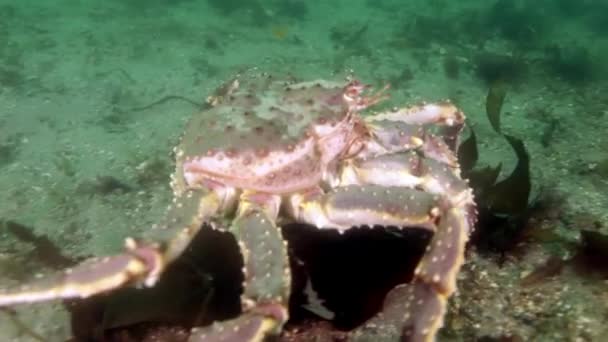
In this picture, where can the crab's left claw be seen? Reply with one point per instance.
(92, 277)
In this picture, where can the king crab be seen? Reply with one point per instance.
(268, 152)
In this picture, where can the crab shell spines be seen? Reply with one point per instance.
(271, 136)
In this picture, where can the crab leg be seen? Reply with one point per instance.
(267, 275)
(349, 206)
(141, 263)
(414, 311)
(409, 169)
(435, 276)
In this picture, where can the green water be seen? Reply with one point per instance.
(95, 94)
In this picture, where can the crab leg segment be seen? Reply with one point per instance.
(141, 263)
(445, 254)
(89, 278)
(411, 312)
(186, 216)
(415, 310)
(349, 206)
(409, 169)
(267, 276)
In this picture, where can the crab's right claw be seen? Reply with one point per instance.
(139, 264)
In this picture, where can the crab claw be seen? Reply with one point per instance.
(139, 264)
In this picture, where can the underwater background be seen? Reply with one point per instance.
(94, 95)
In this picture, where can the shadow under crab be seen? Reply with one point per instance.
(269, 152)
(350, 275)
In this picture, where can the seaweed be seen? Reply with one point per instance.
(494, 101)
(482, 179)
(507, 213)
(504, 207)
(510, 196)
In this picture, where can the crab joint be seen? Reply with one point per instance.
(150, 257)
